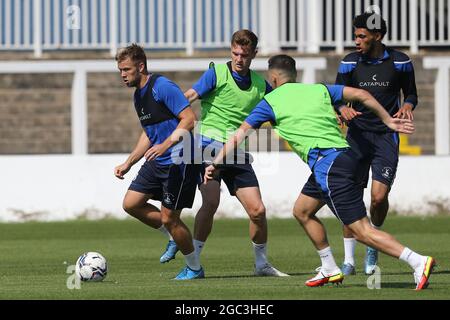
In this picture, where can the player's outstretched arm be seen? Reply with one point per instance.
(138, 152)
(400, 125)
(191, 95)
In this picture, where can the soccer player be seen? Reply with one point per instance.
(303, 115)
(228, 93)
(383, 72)
(166, 117)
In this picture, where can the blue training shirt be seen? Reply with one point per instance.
(263, 112)
(168, 93)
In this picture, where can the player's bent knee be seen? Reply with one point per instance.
(129, 207)
(169, 220)
(302, 216)
(257, 213)
(210, 206)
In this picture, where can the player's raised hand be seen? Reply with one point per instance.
(209, 173)
(402, 125)
(121, 170)
(405, 112)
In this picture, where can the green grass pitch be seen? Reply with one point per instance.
(35, 257)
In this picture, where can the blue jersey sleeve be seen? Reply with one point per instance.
(263, 112)
(206, 83)
(405, 67)
(170, 94)
(336, 93)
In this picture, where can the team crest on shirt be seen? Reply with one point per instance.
(168, 198)
(387, 172)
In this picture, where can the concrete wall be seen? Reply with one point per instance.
(60, 187)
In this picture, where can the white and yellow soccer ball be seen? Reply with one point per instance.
(91, 266)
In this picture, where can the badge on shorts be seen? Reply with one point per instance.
(169, 198)
(387, 172)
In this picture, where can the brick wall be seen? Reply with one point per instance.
(35, 110)
(112, 121)
(35, 113)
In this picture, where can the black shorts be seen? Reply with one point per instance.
(174, 185)
(334, 180)
(378, 151)
(237, 171)
(235, 176)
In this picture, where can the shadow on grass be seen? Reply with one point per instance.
(253, 276)
(391, 285)
(410, 272)
(442, 272)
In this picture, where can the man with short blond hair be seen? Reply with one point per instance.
(165, 116)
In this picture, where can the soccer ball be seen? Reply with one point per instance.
(91, 266)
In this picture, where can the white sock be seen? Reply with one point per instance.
(327, 258)
(192, 261)
(349, 250)
(198, 247)
(412, 258)
(165, 232)
(260, 250)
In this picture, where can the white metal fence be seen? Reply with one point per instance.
(305, 25)
(107, 24)
(411, 23)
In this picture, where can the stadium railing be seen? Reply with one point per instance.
(189, 25)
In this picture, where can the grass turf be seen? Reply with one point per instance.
(35, 257)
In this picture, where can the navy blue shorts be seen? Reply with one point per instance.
(378, 151)
(237, 172)
(174, 185)
(235, 176)
(334, 180)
